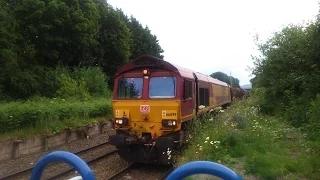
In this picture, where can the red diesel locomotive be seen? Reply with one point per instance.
(153, 100)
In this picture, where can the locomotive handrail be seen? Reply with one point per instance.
(66, 157)
(203, 167)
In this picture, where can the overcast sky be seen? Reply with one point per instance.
(208, 35)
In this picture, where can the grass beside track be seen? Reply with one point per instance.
(50, 116)
(253, 145)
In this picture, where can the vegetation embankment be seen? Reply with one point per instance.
(50, 116)
(253, 144)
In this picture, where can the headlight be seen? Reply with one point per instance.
(169, 123)
(123, 121)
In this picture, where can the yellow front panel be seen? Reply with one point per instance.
(147, 115)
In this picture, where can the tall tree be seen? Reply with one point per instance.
(61, 31)
(143, 41)
(114, 40)
(17, 77)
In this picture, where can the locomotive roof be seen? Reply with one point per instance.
(184, 72)
(147, 60)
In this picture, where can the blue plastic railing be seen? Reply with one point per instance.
(203, 167)
(191, 168)
(67, 157)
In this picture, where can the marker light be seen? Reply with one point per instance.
(123, 121)
(145, 72)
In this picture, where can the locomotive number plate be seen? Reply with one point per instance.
(144, 108)
(169, 114)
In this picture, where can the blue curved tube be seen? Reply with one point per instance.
(66, 157)
(203, 167)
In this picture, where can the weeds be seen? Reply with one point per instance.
(265, 146)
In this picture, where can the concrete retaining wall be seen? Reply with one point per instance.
(14, 148)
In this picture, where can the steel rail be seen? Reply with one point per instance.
(164, 175)
(88, 162)
(119, 173)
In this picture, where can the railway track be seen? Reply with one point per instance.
(22, 172)
(123, 171)
(165, 174)
(67, 171)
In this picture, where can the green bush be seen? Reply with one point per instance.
(314, 116)
(71, 88)
(259, 94)
(296, 111)
(51, 83)
(95, 80)
(80, 82)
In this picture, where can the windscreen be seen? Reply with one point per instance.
(162, 87)
(130, 88)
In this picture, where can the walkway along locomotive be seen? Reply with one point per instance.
(152, 100)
